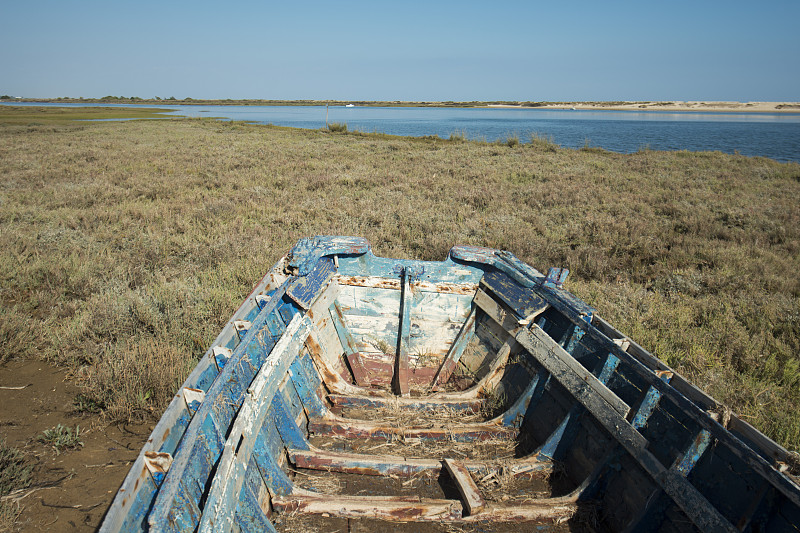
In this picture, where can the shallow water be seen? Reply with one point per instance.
(774, 135)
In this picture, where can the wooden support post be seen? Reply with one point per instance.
(400, 379)
(348, 343)
(470, 494)
(455, 352)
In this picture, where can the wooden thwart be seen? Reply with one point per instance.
(393, 465)
(333, 425)
(414, 509)
(473, 405)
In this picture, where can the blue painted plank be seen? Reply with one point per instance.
(307, 252)
(308, 394)
(249, 515)
(520, 299)
(648, 405)
(699, 445)
(172, 440)
(292, 400)
(201, 446)
(431, 271)
(289, 433)
(207, 377)
(265, 455)
(314, 379)
(136, 518)
(304, 290)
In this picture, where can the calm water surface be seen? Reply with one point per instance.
(774, 135)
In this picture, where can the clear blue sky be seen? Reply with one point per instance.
(527, 50)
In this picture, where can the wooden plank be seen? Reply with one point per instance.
(394, 283)
(312, 404)
(360, 373)
(601, 404)
(561, 439)
(505, 318)
(391, 465)
(333, 425)
(469, 406)
(457, 348)
(263, 396)
(570, 373)
(400, 380)
(348, 343)
(470, 494)
(524, 302)
(415, 509)
(306, 289)
(391, 508)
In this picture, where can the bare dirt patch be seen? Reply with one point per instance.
(70, 489)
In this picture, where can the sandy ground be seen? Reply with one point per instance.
(750, 107)
(71, 490)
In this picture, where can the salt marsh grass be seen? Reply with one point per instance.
(126, 246)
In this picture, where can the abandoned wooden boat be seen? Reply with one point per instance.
(357, 393)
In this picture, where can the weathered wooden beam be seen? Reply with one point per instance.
(357, 368)
(392, 465)
(600, 403)
(470, 494)
(455, 352)
(690, 400)
(400, 379)
(561, 439)
(262, 394)
(347, 341)
(393, 508)
(333, 425)
(414, 509)
(418, 404)
(378, 282)
(333, 381)
(581, 383)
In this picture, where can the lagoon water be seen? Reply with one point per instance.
(774, 135)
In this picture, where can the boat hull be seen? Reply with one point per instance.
(476, 390)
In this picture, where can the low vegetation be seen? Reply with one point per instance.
(61, 437)
(39, 116)
(125, 246)
(15, 475)
(337, 127)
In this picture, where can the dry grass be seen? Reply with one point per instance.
(125, 246)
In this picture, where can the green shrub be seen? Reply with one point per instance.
(62, 437)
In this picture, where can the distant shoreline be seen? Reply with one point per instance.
(696, 106)
(739, 107)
